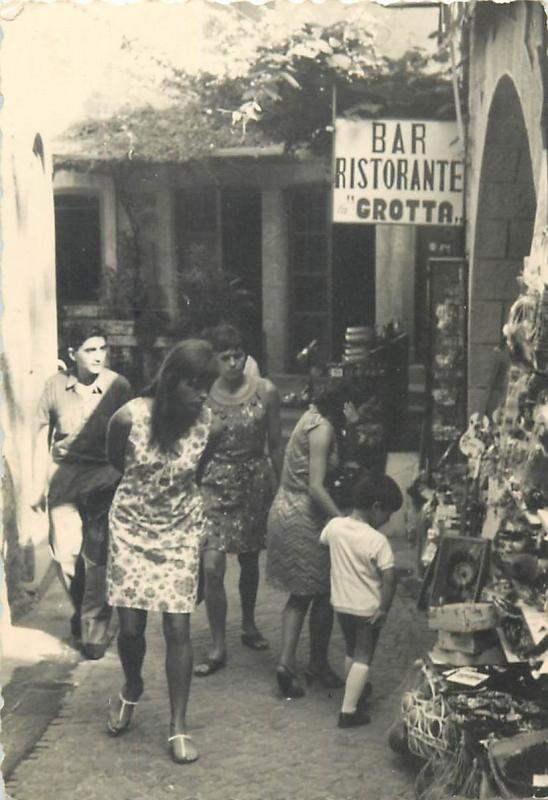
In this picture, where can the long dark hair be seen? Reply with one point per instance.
(330, 402)
(191, 359)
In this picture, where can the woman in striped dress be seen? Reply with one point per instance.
(296, 561)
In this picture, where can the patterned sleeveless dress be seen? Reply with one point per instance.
(237, 482)
(157, 523)
(296, 561)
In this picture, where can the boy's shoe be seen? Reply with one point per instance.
(359, 717)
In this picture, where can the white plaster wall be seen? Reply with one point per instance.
(28, 324)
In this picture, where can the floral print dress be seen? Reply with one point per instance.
(238, 480)
(156, 520)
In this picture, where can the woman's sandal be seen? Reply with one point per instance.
(119, 719)
(255, 641)
(208, 666)
(325, 677)
(288, 682)
(181, 749)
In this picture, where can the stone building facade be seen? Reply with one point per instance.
(266, 218)
(506, 166)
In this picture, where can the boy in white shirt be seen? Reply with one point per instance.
(363, 583)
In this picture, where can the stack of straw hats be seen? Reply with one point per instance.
(357, 343)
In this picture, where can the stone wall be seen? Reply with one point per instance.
(505, 156)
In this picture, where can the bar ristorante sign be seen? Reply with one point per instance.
(398, 171)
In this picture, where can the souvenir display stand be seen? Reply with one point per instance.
(477, 715)
(445, 358)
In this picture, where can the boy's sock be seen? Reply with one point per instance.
(355, 683)
(348, 661)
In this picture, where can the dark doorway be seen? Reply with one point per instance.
(242, 257)
(77, 248)
(433, 241)
(353, 280)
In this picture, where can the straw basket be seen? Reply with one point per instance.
(430, 729)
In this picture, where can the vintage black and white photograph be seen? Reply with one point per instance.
(274, 410)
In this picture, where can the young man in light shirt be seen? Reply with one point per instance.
(73, 479)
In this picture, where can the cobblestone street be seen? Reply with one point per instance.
(253, 744)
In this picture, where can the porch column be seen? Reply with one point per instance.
(167, 260)
(275, 280)
(395, 275)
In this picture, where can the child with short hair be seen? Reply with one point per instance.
(363, 583)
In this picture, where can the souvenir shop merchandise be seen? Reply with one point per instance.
(445, 358)
(477, 715)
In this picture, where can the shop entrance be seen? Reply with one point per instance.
(242, 257)
(504, 230)
(353, 280)
(433, 241)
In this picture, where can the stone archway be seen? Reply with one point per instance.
(503, 232)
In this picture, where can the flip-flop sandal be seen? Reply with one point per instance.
(180, 750)
(255, 641)
(208, 666)
(119, 719)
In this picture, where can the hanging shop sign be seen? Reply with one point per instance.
(398, 171)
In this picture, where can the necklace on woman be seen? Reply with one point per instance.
(224, 394)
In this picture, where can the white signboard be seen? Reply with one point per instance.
(398, 171)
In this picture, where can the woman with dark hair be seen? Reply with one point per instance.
(238, 487)
(296, 561)
(157, 526)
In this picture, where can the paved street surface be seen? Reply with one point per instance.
(254, 744)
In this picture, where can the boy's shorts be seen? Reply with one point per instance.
(354, 627)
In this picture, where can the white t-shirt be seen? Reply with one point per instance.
(359, 554)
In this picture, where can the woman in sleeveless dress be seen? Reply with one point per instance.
(238, 487)
(296, 562)
(157, 526)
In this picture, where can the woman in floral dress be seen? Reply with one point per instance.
(238, 487)
(157, 526)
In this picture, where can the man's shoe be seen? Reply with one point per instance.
(94, 651)
(359, 717)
